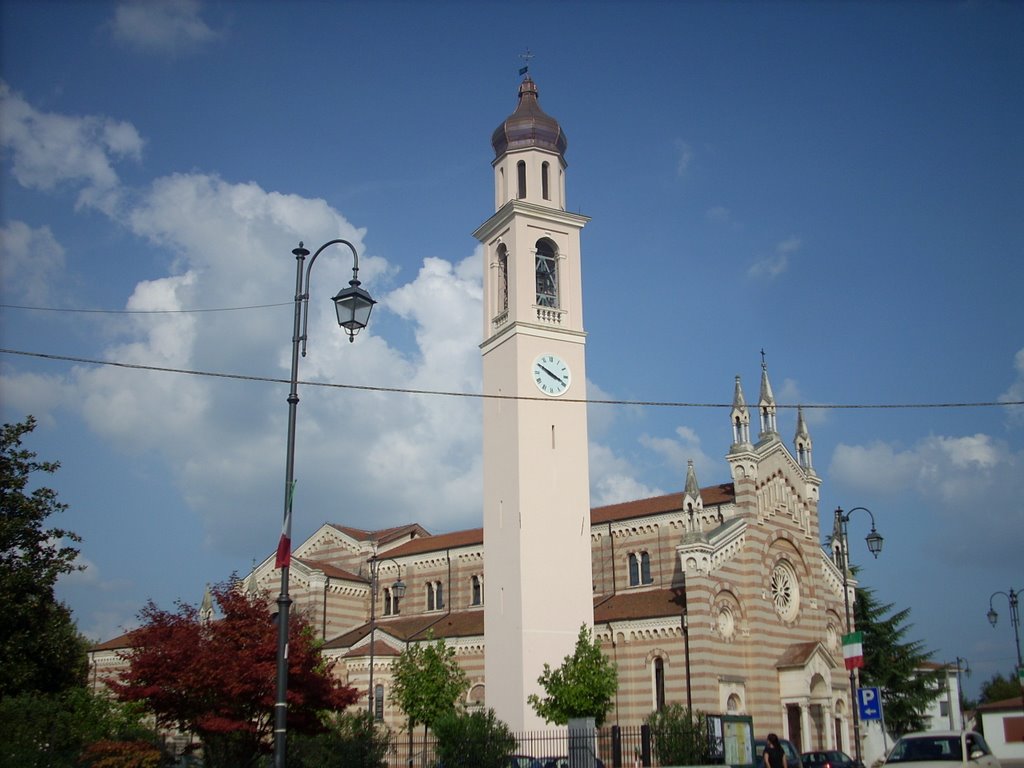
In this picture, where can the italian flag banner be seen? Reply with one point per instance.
(853, 650)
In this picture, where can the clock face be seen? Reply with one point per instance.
(551, 374)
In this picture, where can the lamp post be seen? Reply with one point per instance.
(398, 589)
(961, 665)
(874, 540)
(1014, 599)
(680, 599)
(353, 306)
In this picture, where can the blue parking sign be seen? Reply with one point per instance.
(869, 703)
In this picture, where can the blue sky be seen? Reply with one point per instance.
(837, 183)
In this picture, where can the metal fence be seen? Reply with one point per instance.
(608, 747)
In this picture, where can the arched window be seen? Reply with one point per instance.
(378, 702)
(390, 602)
(521, 174)
(502, 278)
(547, 275)
(544, 186)
(639, 569)
(477, 590)
(435, 596)
(659, 683)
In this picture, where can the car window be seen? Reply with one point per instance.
(926, 748)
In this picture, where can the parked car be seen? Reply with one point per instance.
(828, 758)
(792, 756)
(942, 749)
(522, 761)
(562, 761)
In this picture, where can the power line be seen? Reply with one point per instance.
(144, 311)
(443, 393)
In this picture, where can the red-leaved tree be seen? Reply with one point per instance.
(217, 678)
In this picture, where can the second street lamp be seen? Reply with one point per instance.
(398, 592)
(874, 540)
(1014, 599)
(353, 306)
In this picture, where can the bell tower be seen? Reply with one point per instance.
(538, 585)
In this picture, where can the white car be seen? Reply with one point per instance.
(942, 749)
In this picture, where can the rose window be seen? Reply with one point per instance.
(785, 591)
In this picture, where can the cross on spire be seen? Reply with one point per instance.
(526, 58)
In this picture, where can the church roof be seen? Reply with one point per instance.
(798, 654)
(637, 604)
(329, 570)
(529, 126)
(385, 535)
(656, 505)
(418, 627)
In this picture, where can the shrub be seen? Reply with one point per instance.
(352, 740)
(678, 736)
(477, 740)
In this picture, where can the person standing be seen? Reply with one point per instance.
(774, 756)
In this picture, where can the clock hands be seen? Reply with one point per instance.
(554, 376)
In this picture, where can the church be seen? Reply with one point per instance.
(718, 597)
(721, 597)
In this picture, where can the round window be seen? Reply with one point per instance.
(785, 591)
(726, 623)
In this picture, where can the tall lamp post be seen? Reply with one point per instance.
(961, 666)
(874, 540)
(353, 306)
(680, 599)
(398, 590)
(1014, 599)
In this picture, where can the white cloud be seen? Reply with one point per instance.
(951, 474)
(685, 156)
(774, 264)
(613, 479)
(676, 452)
(36, 394)
(1015, 392)
(48, 150)
(31, 260)
(225, 441)
(161, 26)
(718, 215)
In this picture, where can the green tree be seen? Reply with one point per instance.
(584, 686)
(427, 682)
(896, 666)
(473, 740)
(352, 740)
(217, 678)
(40, 648)
(999, 688)
(54, 730)
(678, 736)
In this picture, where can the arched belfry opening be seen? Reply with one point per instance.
(547, 274)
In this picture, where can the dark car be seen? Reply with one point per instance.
(828, 758)
(792, 756)
(522, 761)
(563, 762)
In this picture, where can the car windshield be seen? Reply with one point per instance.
(927, 748)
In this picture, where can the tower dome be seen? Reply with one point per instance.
(529, 126)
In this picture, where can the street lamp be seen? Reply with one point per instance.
(874, 540)
(353, 306)
(1014, 599)
(398, 590)
(961, 665)
(680, 599)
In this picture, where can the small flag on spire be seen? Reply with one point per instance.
(853, 650)
(523, 70)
